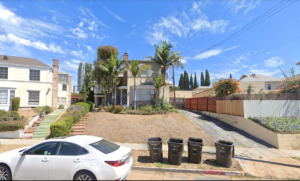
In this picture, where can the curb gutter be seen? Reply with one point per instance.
(176, 170)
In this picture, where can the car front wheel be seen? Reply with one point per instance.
(4, 173)
(84, 176)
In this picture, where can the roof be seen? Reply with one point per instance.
(259, 78)
(298, 63)
(21, 61)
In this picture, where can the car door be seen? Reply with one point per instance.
(33, 165)
(69, 157)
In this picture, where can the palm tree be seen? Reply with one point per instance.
(114, 67)
(176, 62)
(163, 57)
(158, 84)
(135, 69)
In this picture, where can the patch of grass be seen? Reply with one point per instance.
(158, 165)
(296, 158)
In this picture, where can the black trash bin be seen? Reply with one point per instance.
(175, 146)
(224, 153)
(155, 149)
(195, 150)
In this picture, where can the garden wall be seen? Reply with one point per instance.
(271, 108)
(280, 141)
(12, 134)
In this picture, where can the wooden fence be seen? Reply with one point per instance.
(270, 96)
(232, 107)
(200, 104)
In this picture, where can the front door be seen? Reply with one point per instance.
(67, 160)
(100, 101)
(35, 164)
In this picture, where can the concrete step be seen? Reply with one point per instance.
(82, 122)
(75, 133)
(78, 130)
(78, 127)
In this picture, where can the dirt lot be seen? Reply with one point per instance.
(141, 158)
(29, 113)
(137, 128)
(4, 148)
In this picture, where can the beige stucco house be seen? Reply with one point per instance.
(35, 82)
(260, 83)
(144, 89)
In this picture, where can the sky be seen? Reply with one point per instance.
(71, 31)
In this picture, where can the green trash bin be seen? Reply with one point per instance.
(175, 148)
(224, 153)
(155, 149)
(195, 150)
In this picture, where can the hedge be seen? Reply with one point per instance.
(11, 125)
(62, 127)
(61, 106)
(15, 103)
(75, 114)
(87, 107)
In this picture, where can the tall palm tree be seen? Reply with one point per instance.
(176, 62)
(135, 69)
(163, 57)
(114, 67)
(158, 84)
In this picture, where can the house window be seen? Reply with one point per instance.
(99, 88)
(3, 96)
(269, 86)
(62, 100)
(34, 97)
(147, 94)
(147, 73)
(34, 75)
(3, 72)
(63, 76)
(12, 95)
(64, 87)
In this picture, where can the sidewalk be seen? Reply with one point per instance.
(262, 162)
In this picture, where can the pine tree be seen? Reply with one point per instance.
(202, 79)
(186, 81)
(181, 82)
(230, 76)
(207, 78)
(195, 81)
(191, 83)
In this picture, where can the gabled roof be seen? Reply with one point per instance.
(24, 62)
(259, 78)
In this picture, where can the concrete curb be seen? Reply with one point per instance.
(178, 170)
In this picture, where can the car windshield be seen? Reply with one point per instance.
(105, 146)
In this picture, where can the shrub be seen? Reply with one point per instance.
(11, 116)
(87, 107)
(118, 108)
(15, 103)
(138, 112)
(61, 106)
(226, 87)
(110, 108)
(12, 125)
(75, 114)
(61, 127)
(46, 109)
(92, 104)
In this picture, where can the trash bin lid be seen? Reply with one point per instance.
(176, 140)
(195, 140)
(225, 143)
(156, 139)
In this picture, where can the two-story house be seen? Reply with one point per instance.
(145, 90)
(35, 82)
(64, 89)
(260, 83)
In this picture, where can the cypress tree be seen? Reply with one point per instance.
(202, 79)
(195, 81)
(230, 76)
(181, 82)
(186, 81)
(191, 83)
(207, 78)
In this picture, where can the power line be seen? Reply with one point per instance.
(250, 25)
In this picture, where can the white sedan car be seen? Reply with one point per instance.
(67, 158)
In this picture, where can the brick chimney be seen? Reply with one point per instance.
(125, 56)
(55, 84)
(69, 89)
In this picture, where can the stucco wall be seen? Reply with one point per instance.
(182, 94)
(258, 87)
(271, 108)
(205, 93)
(280, 141)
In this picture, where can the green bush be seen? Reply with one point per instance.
(12, 125)
(87, 107)
(75, 114)
(15, 103)
(138, 112)
(110, 108)
(91, 103)
(46, 109)
(11, 116)
(62, 127)
(61, 106)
